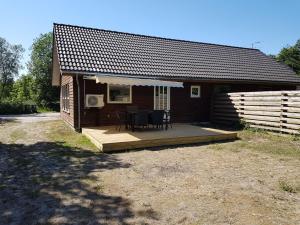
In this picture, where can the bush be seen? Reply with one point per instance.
(17, 108)
(49, 107)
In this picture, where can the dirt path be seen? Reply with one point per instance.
(29, 118)
(44, 180)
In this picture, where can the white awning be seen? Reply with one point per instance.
(135, 81)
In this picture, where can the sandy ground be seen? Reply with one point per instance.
(44, 182)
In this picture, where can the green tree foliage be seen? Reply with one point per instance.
(10, 56)
(40, 68)
(291, 57)
(23, 89)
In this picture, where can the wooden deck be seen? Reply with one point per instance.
(107, 138)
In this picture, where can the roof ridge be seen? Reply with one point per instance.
(152, 36)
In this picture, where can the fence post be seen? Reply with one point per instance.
(241, 106)
(284, 99)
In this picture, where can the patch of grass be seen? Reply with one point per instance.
(44, 109)
(93, 183)
(59, 153)
(60, 132)
(287, 146)
(17, 134)
(2, 186)
(98, 188)
(296, 137)
(271, 143)
(22, 162)
(150, 213)
(288, 187)
(32, 193)
(39, 180)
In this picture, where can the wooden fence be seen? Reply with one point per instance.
(270, 110)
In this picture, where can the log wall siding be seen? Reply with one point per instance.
(270, 110)
(183, 107)
(141, 96)
(187, 109)
(68, 116)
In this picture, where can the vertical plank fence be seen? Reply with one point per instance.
(270, 110)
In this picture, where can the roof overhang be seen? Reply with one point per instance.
(56, 72)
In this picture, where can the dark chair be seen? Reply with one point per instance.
(168, 119)
(132, 108)
(121, 118)
(140, 119)
(157, 118)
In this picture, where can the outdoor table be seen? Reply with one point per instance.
(131, 115)
(130, 118)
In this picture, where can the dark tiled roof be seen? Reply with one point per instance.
(91, 50)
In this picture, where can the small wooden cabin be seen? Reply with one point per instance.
(101, 72)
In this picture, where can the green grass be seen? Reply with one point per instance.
(265, 142)
(39, 180)
(17, 134)
(94, 183)
(61, 133)
(2, 186)
(272, 143)
(44, 110)
(288, 187)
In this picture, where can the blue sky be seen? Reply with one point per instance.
(274, 23)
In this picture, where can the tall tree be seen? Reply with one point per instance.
(10, 56)
(23, 89)
(291, 57)
(39, 68)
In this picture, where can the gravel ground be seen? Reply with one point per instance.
(29, 118)
(48, 182)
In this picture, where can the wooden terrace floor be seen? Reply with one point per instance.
(108, 138)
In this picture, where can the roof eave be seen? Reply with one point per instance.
(181, 78)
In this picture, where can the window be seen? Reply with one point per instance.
(118, 93)
(195, 91)
(65, 98)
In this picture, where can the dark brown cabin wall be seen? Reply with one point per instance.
(183, 107)
(187, 109)
(141, 96)
(68, 117)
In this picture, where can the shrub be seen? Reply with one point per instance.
(285, 186)
(10, 107)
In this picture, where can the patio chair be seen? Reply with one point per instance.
(132, 108)
(121, 120)
(140, 119)
(157, 118)
(167, 119)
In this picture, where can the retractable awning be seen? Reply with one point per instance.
(135, 81)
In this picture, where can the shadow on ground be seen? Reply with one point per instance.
(7, 120)
(49, 183)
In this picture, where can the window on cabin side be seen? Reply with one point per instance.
(65, 94)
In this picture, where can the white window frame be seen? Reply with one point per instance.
(66, 98)
(199, 91)
(119, 102)
(165, 104)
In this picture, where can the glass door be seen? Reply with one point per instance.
(161, 98)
